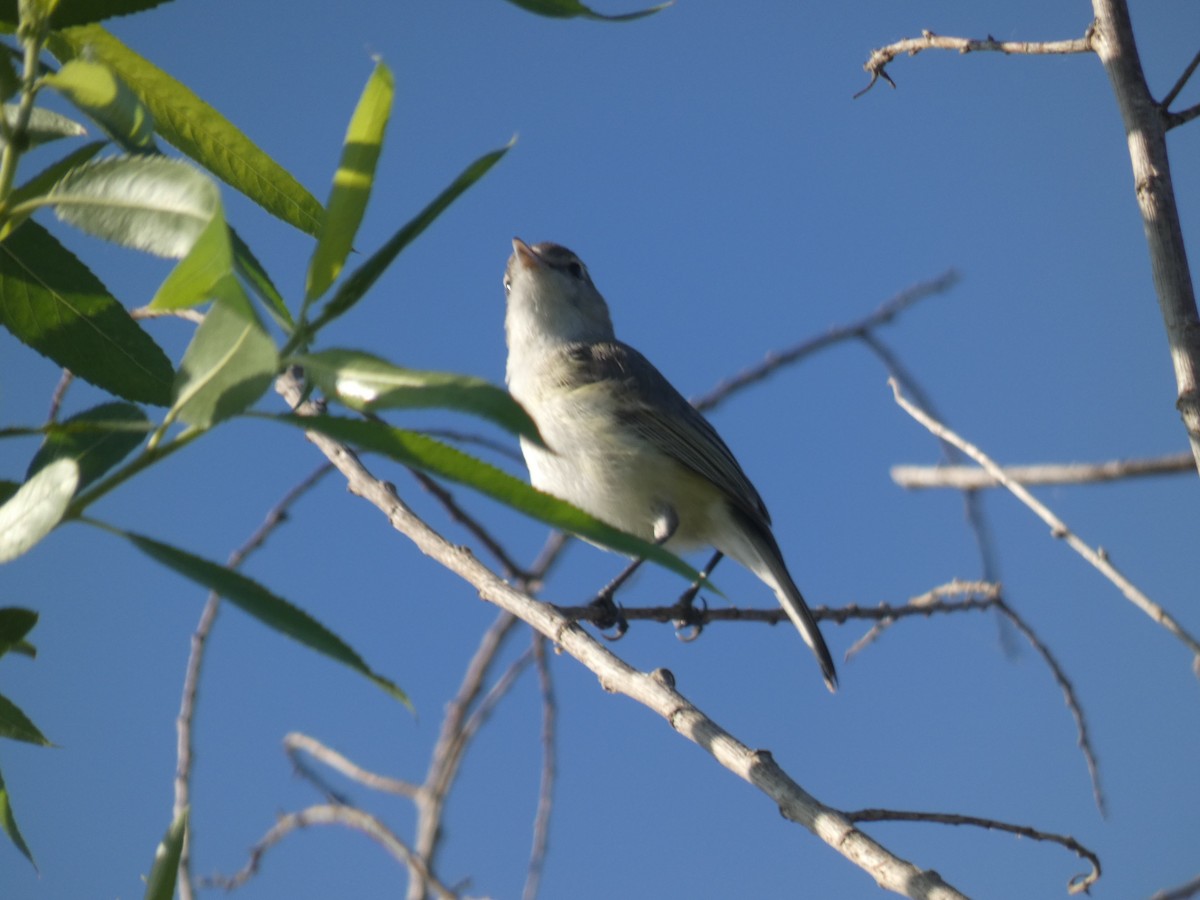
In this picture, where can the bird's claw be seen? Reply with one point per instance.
(689, 621)
(609, 615)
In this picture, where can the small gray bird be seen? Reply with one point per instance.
(623, 444)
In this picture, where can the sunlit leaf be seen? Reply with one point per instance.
(570, 9)
(149, 203)
(252, 272)
(160, 883)
(352, 182)
(97, 439)
(365, 382)
(80, 12)
(44, 126)
(423, 452)
(228, 365)
(39, 185)
(38, 505)
(251, 597)
(101, 94)
(198, 130)
(360, 281)
(201, 274)
(53, 303)
(8, 822)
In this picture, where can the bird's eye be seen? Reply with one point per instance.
(575, 267)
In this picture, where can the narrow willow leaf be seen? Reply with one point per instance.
(252, 272)
(10, 81)
(81, 12)
(360, 281)
(423, 452)
(227, 367)
(160, 883)
(44, 126)
(97, 90)
(251, 597)
(97, 439)
(9, 822)
(15, 623)
(40, 184)
(570, 9)
(365, 382)
(33, 511)
(198, 130)
(16, 726)
(8, 489)
(149, 203)
(201, 274)
(352, 182)
(53, 303)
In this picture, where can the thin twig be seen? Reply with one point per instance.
(191, 680)
(1175, 119)
(1098, 558)
(877, 65)
(60, 392)
(1165, 103)
(779, 358)
(1182, 892)
(541, 820)
(333, 814)
(294, 743)
(973, 478)
(1080, 884)
(988, 593)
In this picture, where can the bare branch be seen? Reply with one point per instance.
(652, 690)
(295, 743)
(1175, 119)
(1098, 558)
(877, 65)
(1187, 73)
(333, 814)
(777, 359)
(971, 478)
(1080, 884)
(1183, 892)
(60, 392)
(541, 820)
(191, 679)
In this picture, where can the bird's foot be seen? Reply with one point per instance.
(688, 620)
(609, 615)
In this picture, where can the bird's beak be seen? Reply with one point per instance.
(525, 254)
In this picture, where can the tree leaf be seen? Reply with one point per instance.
(39, 185)
(228, 365)
(44, 125)
(198, 130)
(80, 12)
(423, 452)
(569, 9)
(15, 624)
(149, 203)
(251, 597)
(97, 439)
(54, 304)
(365, 382)
(160, 883)
(252, 272)
(9, 822)
(16, 726)
(95, 89)
(351, 183)
(360, 281)
(200, 275)
(37, 506)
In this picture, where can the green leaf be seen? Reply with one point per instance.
(365, 382)
(351, 183)
(160, 883)
(9, 822)
(97, 90)
(198, 130)
(44, 126)
(149, 203)
(253, 273)
(8, 489)
(15, 624)
(251, 597)
(423, 452)
(360, 281)
(33, 511)
(80, 12)
(54, 304)
(228, 365)
(15, 725)
(202, 274)
(97, 439)
(570, 9)
(39, 185)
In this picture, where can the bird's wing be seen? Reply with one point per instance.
(672, 425)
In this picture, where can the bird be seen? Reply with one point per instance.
(620, 442)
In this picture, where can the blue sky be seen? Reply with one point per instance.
(729, 198)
